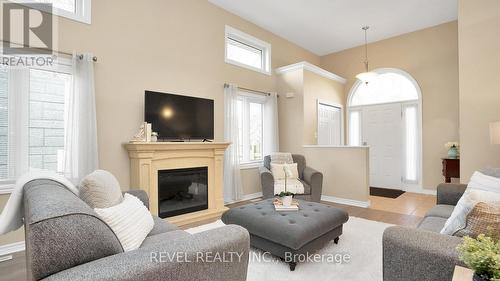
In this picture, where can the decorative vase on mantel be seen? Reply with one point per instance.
(453, 152)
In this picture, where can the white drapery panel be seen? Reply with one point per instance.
(80, 139)
(271, 129)
(233, 189)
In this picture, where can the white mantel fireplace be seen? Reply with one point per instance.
(152, 166)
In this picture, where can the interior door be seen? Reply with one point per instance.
(382, 131)
(329, 124)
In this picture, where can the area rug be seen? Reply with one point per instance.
(361, 242)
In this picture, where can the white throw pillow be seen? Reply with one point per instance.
(130, 221)
(100, 189)
(480, 181)
(279, 173)
(471, 197)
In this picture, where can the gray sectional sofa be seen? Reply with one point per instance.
(423, 254)
(310, 178)
(65, 240)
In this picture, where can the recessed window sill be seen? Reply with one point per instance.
(252, 165)
(6, 188)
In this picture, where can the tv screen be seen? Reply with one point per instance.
(176, 117)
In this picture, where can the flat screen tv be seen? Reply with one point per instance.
(176, 117)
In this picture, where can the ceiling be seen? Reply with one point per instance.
(327, 26)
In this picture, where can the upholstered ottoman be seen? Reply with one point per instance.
(289, 235)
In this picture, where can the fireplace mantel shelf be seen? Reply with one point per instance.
(147, 158)
(157, 146)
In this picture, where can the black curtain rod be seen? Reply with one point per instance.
(226, 85)
(56, 51)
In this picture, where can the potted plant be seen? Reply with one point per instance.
(483, 256)
(286, 196)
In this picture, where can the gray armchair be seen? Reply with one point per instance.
(423, 254)
(66, 240)
(312, 179)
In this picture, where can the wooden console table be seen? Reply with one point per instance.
(451, 169)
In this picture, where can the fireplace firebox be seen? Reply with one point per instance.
(182, 191)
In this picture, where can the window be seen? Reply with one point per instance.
(66, 5)
(4, 123)
(386, 88)
(355, 128)
(247, 51)
(251, 128)
(46, 118)
(32, 104)
(79, 10)
(411, 137)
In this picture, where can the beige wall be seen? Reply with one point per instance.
(291, 110)
(345, 170)
(174, 46)
(298, 115)
(318, 87)
(431, 57)
(479, 45)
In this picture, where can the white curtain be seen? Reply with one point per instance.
(233, 189)
(271, 129)
(80, 157)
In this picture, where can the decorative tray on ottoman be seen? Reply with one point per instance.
(278, 205)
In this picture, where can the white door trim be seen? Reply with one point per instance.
(333, 104)
(419, 102)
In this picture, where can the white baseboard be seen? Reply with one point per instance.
(421, 190)
(12, 248)
(246, 197)
(252, 196)
(344, 201)
(5, 258)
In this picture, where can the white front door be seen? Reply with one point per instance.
(382, 131)
(329, 124)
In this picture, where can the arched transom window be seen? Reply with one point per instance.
(387, 87)
(373, 119)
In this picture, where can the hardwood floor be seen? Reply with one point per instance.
(407, 204)
(406, 210)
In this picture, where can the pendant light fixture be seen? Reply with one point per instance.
(366, 76)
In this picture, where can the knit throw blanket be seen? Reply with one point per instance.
(12, 215)
(281, 158)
